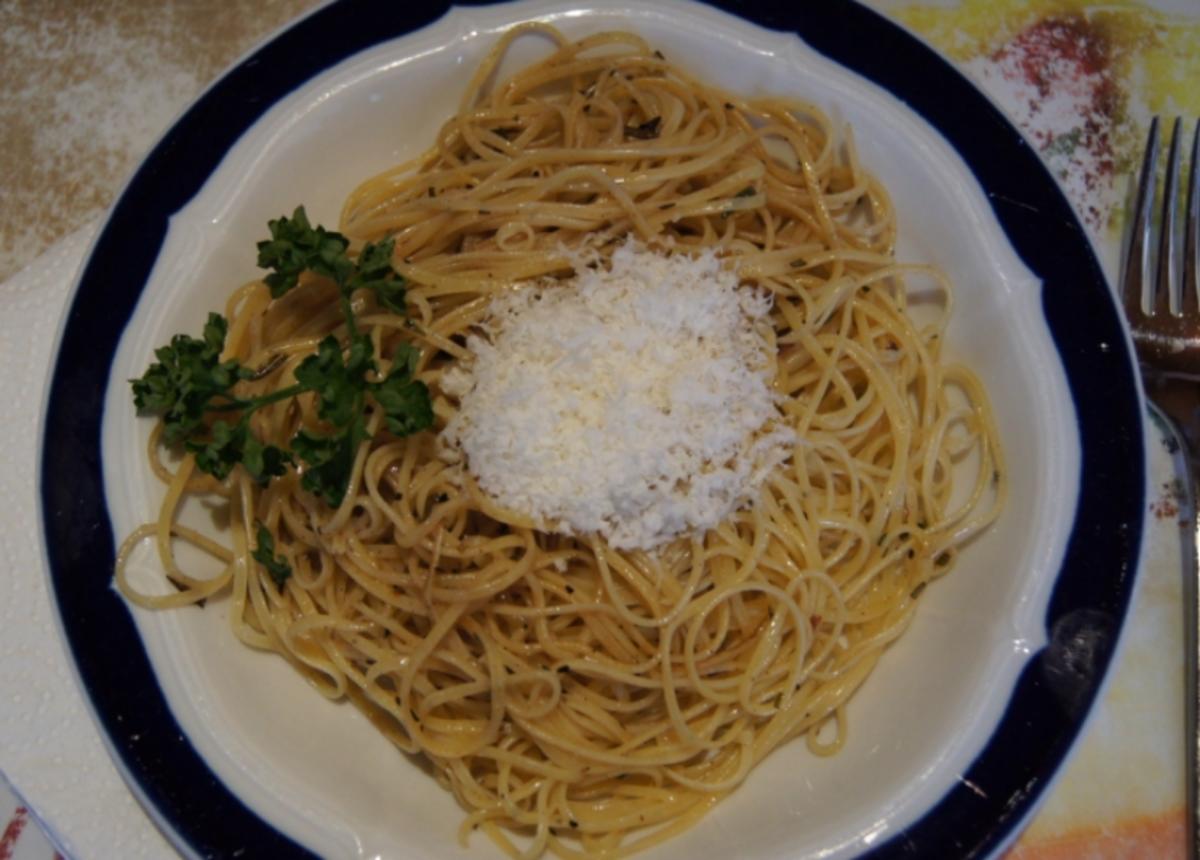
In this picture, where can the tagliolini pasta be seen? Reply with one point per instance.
(577, 698)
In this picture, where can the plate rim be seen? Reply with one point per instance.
(1058, 684)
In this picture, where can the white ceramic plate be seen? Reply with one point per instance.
(962, 724)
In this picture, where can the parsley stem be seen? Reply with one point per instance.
(348, 313)
(258, 402)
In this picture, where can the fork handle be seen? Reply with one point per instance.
(1191, 640)
(1188, 468)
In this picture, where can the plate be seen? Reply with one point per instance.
(964, 723)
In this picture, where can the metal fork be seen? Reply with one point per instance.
(1162, 303)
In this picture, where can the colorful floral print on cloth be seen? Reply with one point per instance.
(1082, 80)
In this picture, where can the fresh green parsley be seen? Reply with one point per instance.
(186, 379)
(193, 391)
(264, 554)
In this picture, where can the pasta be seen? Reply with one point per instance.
(578, 699)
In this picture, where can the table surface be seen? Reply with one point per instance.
(89, 86)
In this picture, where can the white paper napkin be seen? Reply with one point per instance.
(50, 747)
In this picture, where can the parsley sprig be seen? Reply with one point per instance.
(195, 393)
(264, 553)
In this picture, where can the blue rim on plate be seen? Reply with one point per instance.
(1092, 591)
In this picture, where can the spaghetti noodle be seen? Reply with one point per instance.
(576, 697)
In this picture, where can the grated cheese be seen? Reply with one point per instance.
(633, 403)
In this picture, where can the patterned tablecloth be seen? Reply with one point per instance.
(1080, 79)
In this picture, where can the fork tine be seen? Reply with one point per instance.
(1166, 280)
(1191, 233)
(1136, 285)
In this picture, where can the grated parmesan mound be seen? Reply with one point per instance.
(633, 402)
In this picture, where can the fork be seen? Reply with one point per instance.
(1163, 310)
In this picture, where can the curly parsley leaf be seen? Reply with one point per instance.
(185, 380)
(263, 462)
(228, 445)
(264, 554)
(223, 450)
(329, 460)
(375, 273)
(405, 401)
(391, 295)
(406, 405)
(406, 357)
(296, 246)
(338, 381)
